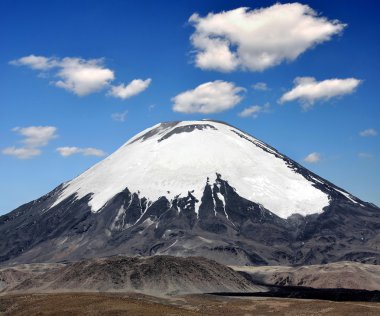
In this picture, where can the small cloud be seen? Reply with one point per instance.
(119, 117)
(254, 110)
(258, 39)
(261, 86)
(35, 137)
(365, 155)
(135, 87)
(35, 62)
(21, 152)
(210, 97)
(89, 151)
(307, 90)
(312, 157)
(368, 132)
(151, 107)
(80, 76)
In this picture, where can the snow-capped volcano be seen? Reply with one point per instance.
(172, 159)
(195, 188)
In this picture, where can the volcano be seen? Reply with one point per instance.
(190, 188)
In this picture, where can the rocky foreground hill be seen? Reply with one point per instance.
(157, 275)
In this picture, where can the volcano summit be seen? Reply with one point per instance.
(195, 188)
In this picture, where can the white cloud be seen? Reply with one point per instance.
(254, 110)
(365, 155)
(35, 137)
(312, 157)
(119, 117)
(35, 62)
(133, 88)
(210, 97)
(307, 90)
(214, 54)
(89, 151)
(258, 39)
(21, 152)
(368, 132)
(262, 86)
(81, 76)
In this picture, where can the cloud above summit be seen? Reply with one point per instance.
(209, 97)
(254, 110)
(133, 88)
(79, 76)
(258, 39)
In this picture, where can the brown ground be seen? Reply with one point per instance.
(138, 304)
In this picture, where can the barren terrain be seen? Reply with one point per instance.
(139, 304)
(165, 285)
(349, 275)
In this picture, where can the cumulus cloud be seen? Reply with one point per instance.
(254, 110)
(258, 39)
(210, 97)
(312, 157)
(34, 137)
(365, 155)
(88, 151)
(81, 76)
(368, 132)
(21, 152)
(119, 117)
(261, 86)
(133, 88)
(307, 90)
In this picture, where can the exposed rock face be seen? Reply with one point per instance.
(199, 188)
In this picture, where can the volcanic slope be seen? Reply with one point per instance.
(195, 188)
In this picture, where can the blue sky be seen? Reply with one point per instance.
(79, 78)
